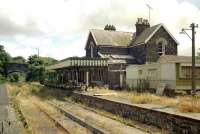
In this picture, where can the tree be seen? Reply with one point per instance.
(4, 58)
(110, 27)
(18, 59)
(37, 67)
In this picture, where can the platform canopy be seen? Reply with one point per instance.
(78, 62)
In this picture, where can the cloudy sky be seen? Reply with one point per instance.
(59, 28)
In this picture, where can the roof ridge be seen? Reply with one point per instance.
(111, 31)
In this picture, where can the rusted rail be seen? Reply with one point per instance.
(58, 125)
(91, 127)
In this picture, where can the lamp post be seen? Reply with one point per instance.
(192, 28)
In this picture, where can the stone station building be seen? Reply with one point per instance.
(119, 50)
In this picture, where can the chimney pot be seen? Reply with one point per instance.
(141, 25)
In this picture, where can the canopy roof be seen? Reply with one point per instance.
(78, 62)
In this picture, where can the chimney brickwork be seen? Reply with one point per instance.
(141, 25)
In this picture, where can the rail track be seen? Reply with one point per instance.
(57, 123)
(98, 127)
(82, 122)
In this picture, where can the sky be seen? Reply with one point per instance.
(59, 28)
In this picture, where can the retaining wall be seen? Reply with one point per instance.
(175, 123)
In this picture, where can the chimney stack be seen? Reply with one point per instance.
(141, 25)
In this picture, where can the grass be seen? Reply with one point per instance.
(35, 89)
(129, 122)
(185, 103)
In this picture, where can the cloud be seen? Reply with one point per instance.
(60, 27)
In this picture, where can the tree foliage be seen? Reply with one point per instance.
(37, 67)
(16, 77)
(4, 58)
(18, 59)
(110, 27)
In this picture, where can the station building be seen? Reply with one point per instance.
(111, 55)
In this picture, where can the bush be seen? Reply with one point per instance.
(2, 79)
(35, 74)
(16, 77)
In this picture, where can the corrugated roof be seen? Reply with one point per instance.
(145, 34)
(112, 38)
(174, 58)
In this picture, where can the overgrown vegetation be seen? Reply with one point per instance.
(183, 103)
(37, 67)
(4, 58)
(35, 89)
(35, 64)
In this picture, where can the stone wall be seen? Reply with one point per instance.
(151, 49)
(175, 123)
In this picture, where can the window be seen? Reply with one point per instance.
(91, 49)
(161, 48)
(186, 72)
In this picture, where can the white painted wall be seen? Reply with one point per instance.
(131, 75)
(132, 72)
(156, 73)
(168, 74)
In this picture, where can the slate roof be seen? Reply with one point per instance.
(119, 38)
(146, 34)
(112, 38)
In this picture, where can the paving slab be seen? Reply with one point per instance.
(8, 121)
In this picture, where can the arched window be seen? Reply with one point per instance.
(91, 49)
(161, 46)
